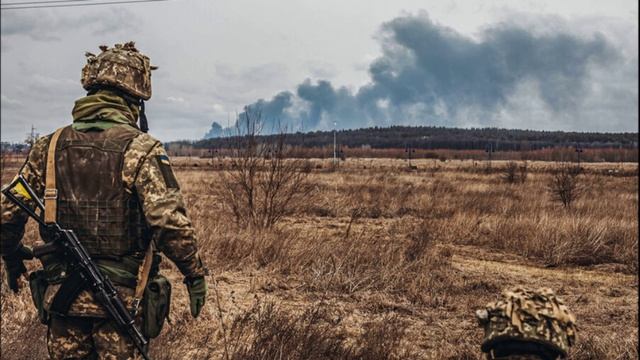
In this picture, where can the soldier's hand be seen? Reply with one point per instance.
(14, 266)
(197, 288)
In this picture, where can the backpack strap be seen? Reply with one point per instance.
(50, 190)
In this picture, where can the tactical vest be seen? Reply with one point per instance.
(92, 198)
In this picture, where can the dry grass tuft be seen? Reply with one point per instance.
(268, 332)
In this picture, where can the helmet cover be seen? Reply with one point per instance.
(122, 67)
(528, 316)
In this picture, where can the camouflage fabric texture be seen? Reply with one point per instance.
(122, 66)
(145, 171)
(527, 316)
(87, 338)
(85, 305)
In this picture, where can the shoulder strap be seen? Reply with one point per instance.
(50, 190)
(143, 277)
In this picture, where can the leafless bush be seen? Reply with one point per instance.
(513, 173)
(510, 172)
(262, 185)
(565, 185)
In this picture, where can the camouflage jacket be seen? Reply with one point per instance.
(162, 205)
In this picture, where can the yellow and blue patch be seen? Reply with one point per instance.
(167, 172)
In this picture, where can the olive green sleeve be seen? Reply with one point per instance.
(13, 219)
(165, 212)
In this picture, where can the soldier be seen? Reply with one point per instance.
(527, 325)
(112, 184)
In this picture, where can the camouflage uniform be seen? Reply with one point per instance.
(527, 325)
(147, 178)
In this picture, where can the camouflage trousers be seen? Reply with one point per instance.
(87, 338)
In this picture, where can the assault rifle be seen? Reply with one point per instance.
(67, 244)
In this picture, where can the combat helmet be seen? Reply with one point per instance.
(527, 324)
(122, 67)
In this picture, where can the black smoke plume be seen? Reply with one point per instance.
(429, 74)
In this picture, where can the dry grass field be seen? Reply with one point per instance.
(381, 261)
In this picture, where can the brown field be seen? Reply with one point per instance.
(385, 262)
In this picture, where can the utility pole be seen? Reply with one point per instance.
(489, 150)
(334, 143)
(578, 151)
(409, 150)
(621, 156)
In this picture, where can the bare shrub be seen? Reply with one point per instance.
(510, 172)
(513, 173)
(565, 185)
(263, 185)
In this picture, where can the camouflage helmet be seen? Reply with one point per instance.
(536, 320)
(122, 67)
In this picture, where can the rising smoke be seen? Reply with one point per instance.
(429, 74)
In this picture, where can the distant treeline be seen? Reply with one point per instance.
(425, 137)
(440, 143)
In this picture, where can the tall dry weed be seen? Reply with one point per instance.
(269, 332)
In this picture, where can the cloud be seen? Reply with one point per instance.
(7, 102)
(43, 25)
(429, 74)
(321, 69)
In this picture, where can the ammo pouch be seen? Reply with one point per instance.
(155, 305)
(38, 285)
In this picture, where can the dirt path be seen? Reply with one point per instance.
(478, 260)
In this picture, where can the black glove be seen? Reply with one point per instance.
(197, 294)
(14, 265)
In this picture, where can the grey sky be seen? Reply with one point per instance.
(217, 56)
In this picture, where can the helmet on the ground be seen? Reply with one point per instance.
(122, 67)
(526, 321)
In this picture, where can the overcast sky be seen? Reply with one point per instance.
(555, 65)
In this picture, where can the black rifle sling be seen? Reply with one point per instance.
(68, 292)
